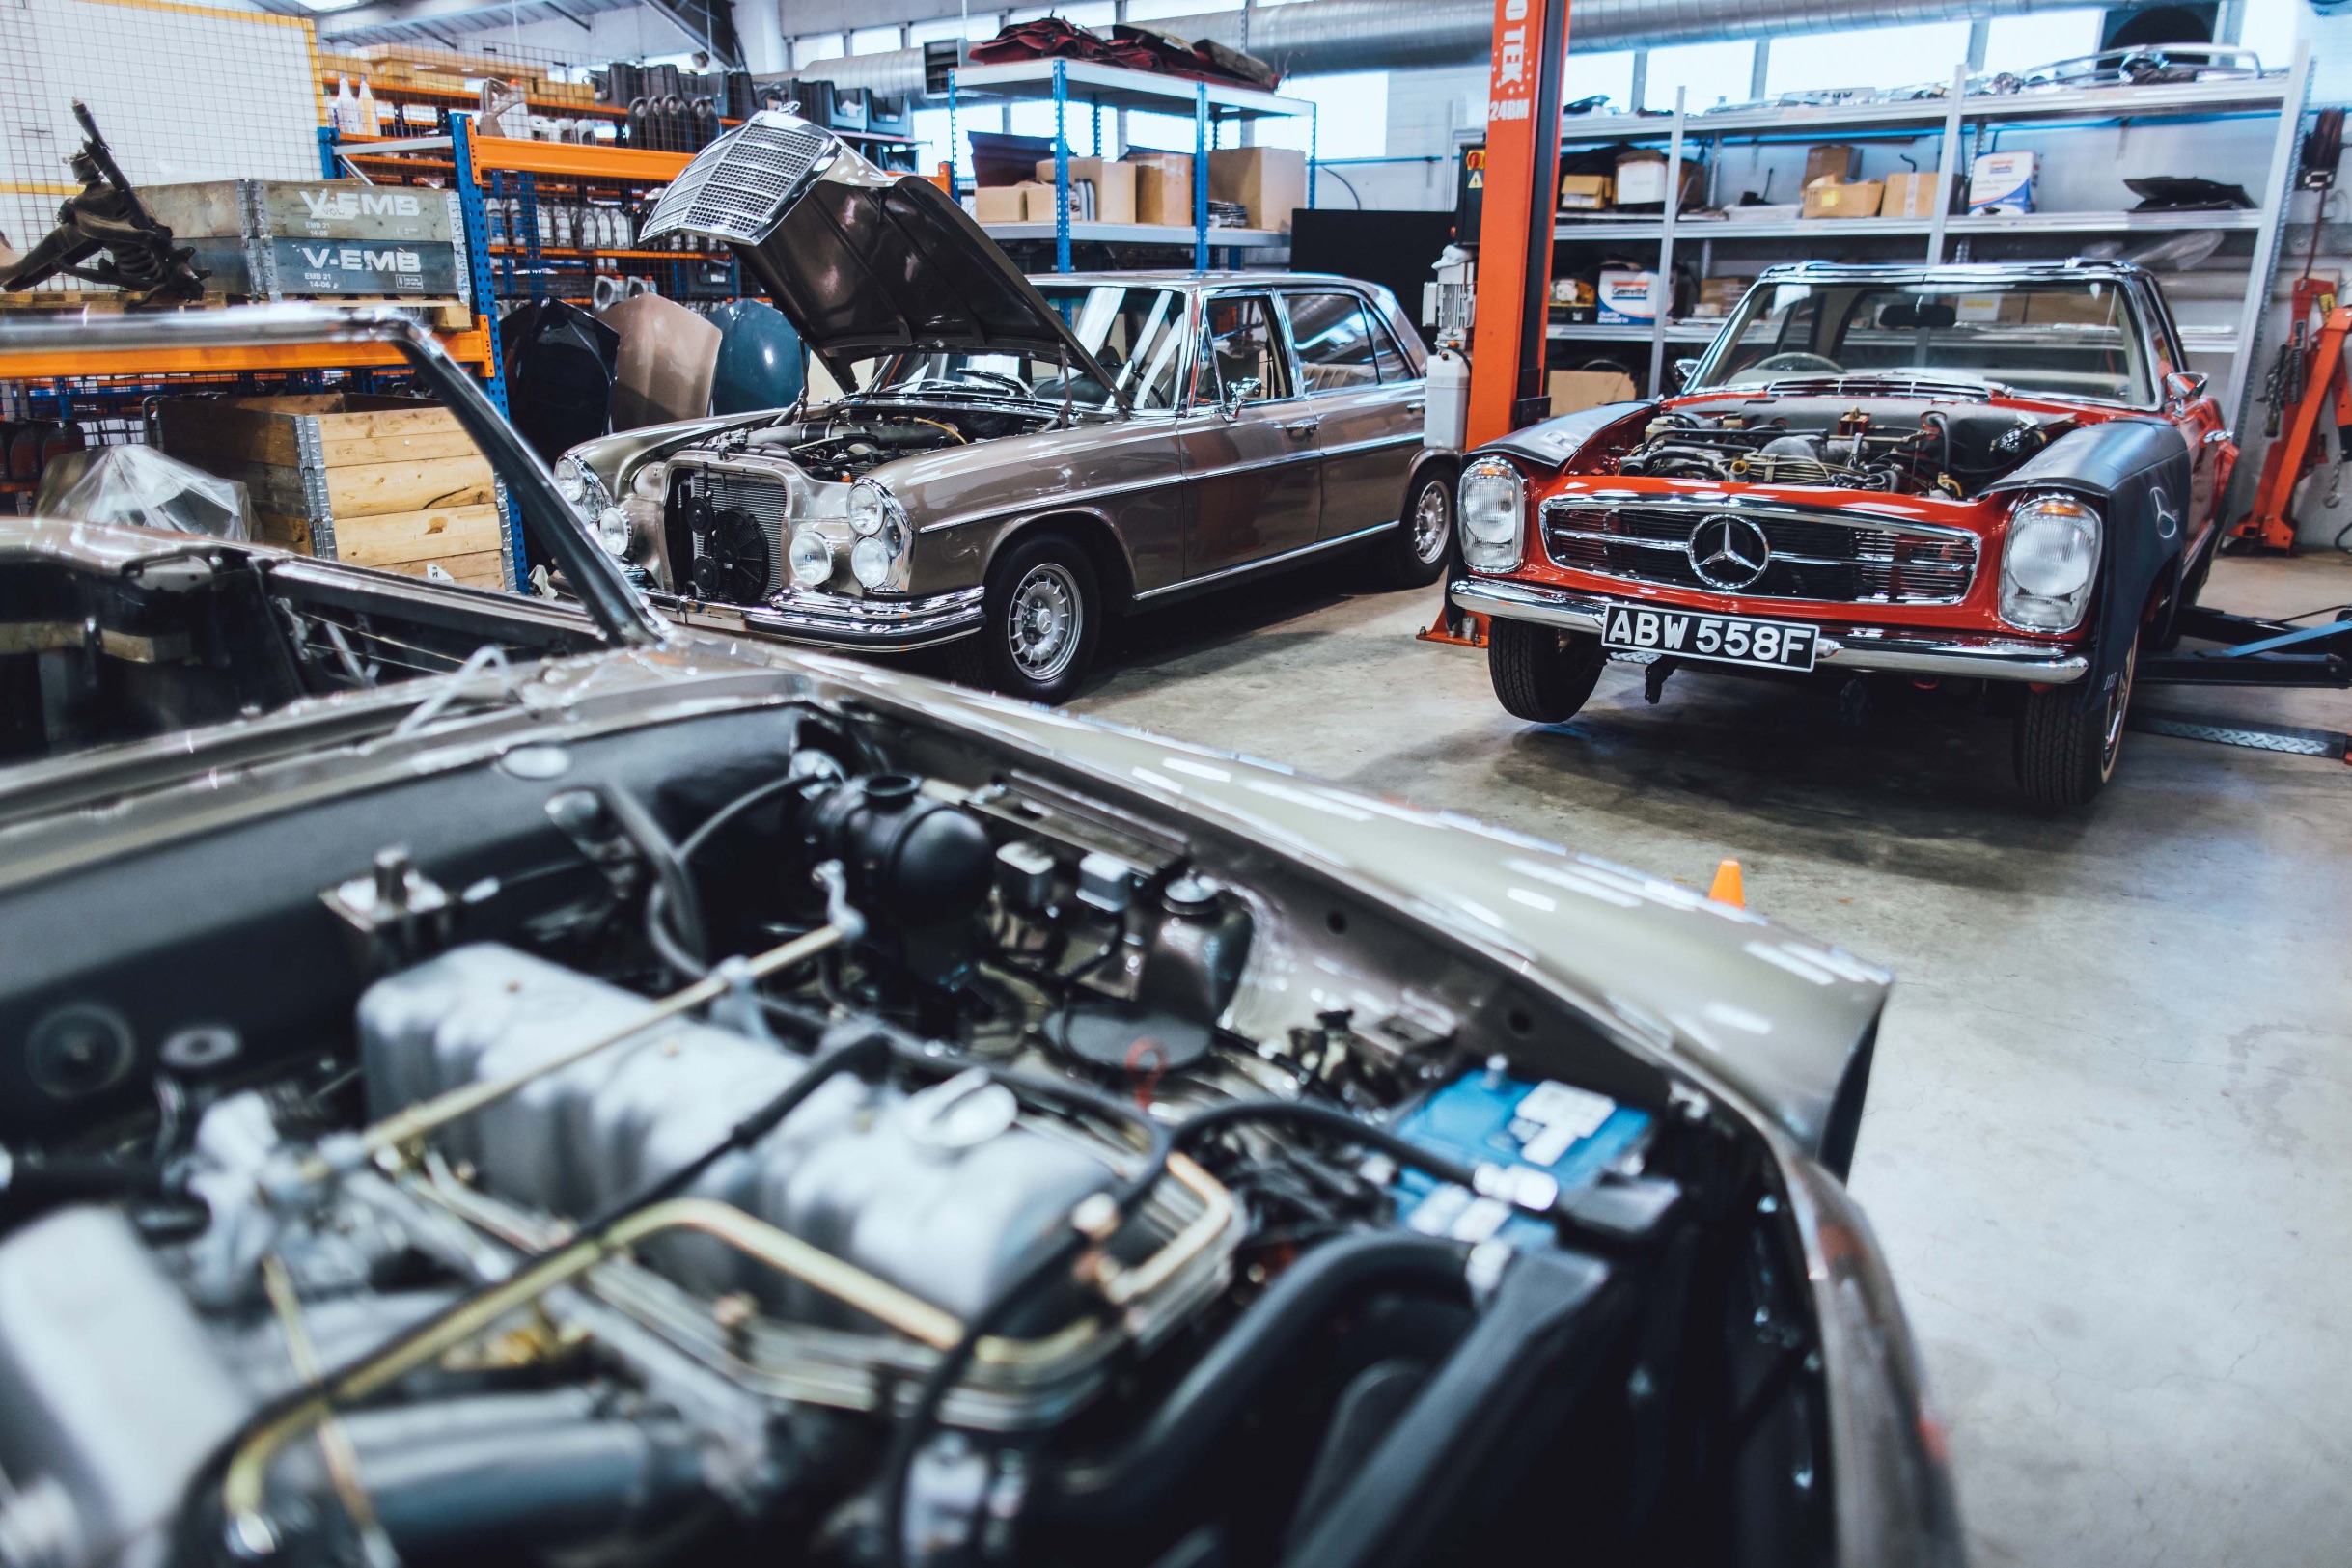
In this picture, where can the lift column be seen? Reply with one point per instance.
(1514, 282)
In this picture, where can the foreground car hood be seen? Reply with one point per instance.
(862, 260)
(1787, 1022)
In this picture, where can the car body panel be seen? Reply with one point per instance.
(2154, 473)
(1180, 499)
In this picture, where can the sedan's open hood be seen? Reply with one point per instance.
(864, 262)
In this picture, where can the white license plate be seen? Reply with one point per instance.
(1684, 634)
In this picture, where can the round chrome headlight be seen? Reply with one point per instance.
(811, 557)
(1493, 510)
(2049, 563)
(612, 532)
(869, 508)
(571, 480)
(870, 562)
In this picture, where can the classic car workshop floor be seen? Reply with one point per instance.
(2105, 1143)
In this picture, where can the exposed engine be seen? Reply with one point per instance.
(978, 1211)
(731, 504)
(1884, 445)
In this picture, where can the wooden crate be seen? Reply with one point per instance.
(378, 482)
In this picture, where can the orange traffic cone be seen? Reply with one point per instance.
(1726, 887)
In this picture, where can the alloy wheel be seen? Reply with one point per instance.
(1042, 621)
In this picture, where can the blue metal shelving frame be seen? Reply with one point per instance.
(1204, 138)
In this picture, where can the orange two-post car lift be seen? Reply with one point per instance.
(1514, 270)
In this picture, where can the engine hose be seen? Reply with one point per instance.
(32, 1187)
(1224, 1382)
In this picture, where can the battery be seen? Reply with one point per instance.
(1488, 1117)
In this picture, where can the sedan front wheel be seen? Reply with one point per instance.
(1040, 620)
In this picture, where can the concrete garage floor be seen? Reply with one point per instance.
(2106, 1143)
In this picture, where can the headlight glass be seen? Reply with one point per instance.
(812, 558)
(612, 532)
(2049, 563)
(870, 562)
(571, 480)
(869, 509)
(1493, 507)
(879, 558)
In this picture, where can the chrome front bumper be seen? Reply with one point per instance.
(831, 620)
(1961, 654)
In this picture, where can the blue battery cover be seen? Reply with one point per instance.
(1569, 1134)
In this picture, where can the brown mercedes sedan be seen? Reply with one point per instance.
(1017, 461)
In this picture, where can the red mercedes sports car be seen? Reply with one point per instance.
(2002, 474)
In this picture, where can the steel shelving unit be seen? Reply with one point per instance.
(1097, 88)
(1945, 120)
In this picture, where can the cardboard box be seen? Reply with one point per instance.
(2000, 182)
(1586, 193)
(2070, 307)
(1718, 296)
(1574, 391)
(1114, 187)
(1909, 195)
(1037, 201)
(997, 203)
(1163, 187)
(1629, 298)
(1839, 162)
(1859, 199)
(1271, 182)
(1989, 310)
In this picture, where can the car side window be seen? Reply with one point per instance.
(1243, 345)
(1334, 337)
(1394, 367)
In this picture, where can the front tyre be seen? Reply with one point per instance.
(1413, 553)
(1543, 673)
(1040, 620)
(2064, 755)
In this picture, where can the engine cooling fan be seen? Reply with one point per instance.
(735, 562)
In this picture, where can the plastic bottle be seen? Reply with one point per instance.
(346, 107)
(371, 120)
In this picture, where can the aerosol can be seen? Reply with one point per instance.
(1447, 303)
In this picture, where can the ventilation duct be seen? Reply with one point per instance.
(1327, 35)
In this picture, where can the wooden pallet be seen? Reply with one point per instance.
(442, 314)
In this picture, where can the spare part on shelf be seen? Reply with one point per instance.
(560, 366)
(663, 367)
(760, 359)
(106, 216)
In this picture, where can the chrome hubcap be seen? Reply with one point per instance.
(1044, 622)
(1429, 523)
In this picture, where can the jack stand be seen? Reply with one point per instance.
(1653, 678)
(1463, 628)
(1854, 702)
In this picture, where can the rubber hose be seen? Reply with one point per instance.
(1234, 1372)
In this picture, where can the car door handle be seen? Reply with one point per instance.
(1304, 426)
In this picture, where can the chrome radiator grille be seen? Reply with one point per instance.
(737, 187)
(1820, 557)
(723, 490)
